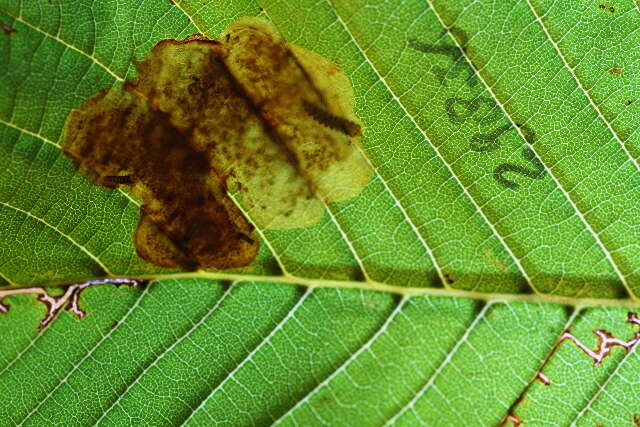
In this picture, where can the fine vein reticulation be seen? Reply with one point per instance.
(432, 350)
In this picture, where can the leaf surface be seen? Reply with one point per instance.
(503, 211)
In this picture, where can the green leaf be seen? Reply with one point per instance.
(464, 286)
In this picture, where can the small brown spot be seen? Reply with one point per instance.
(448, 278)
(7, 29)
(628, 102)
(636, 420)
(172, 2)
(616, 71)
(604, 7)
(114, 324)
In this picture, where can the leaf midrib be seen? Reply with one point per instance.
(370, 286)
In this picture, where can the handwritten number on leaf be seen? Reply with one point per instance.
(537, 172)
(459, 110)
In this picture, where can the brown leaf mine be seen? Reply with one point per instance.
(249, 114)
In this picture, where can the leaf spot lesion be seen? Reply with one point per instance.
(247, 116)
(606, 341)
(8, 30)
(69, 300)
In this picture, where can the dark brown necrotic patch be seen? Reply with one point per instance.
(206, 117)
(186, 221)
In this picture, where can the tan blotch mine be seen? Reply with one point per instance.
(250, 114)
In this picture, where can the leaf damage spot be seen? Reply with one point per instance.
(69, 300)
(249, 114)
(448, 278)
(606, 341)
(606, 8)
(513, 419)
(7, 29)
(543, 378)
(616, 71)
(628, 102)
